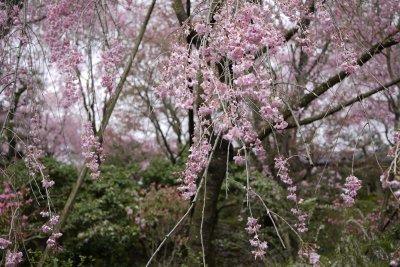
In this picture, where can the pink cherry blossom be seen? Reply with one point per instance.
(13, 258)
(4, 243)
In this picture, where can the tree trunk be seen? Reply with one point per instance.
(204, 216)
(11, 136)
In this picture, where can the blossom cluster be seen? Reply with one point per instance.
(63, 17)
(92, 151)
(9, 15)
(231, 51)
(237, 39)
(394, 184)
(348, 59)
(9, 199)
(111, 58)
(308, 252)
(261, 155)
(352, 185)
(259, 246)
(48, 228)
(198, 159)
(13, 258)
(4, 243)
(180, 74)
(33, 154)
(10, 203)
(281, 165)
(395, 259)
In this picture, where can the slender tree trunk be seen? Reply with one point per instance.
(204, 216)
(11, 138)
(108, 111)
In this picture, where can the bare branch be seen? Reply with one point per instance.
(332, 81)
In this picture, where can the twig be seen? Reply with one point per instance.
(301, 133)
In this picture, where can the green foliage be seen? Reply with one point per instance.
(161, 171)
(351, 237)
(99, 225)
(35, 256)
(159, 209)
(100, 232)
(232, 239)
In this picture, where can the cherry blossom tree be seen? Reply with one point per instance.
(259, 74)
(80, 48)
(293, 89)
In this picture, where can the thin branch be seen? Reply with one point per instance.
(110, 108)
(322, 88)
(301, 133)
(332, 81)
(341, 106)
(113, 100)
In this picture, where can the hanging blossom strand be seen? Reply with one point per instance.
(352, 185)
(48, 228)
(92, 151)
(197, 161)
(236, 39)
(281, 165)
(259, 246)
(62, 18)
(13, 258)
(111, 58)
